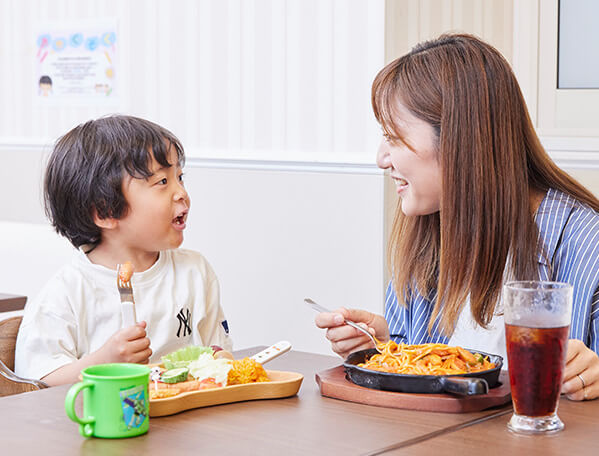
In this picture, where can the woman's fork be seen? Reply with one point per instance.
(377, 343)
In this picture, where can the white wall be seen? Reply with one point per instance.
(273, 238)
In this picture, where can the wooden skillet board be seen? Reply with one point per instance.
(332, 383)
(281, 384)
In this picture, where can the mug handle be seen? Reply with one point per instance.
(86, 427)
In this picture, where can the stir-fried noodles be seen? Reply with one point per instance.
(426, 359)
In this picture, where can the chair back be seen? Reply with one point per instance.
(9, 329)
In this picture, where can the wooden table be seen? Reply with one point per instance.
(305, 424)
(579, 437)
(10, 302)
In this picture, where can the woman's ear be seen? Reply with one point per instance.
(107, 223)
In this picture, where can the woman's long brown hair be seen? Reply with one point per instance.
(491, 160)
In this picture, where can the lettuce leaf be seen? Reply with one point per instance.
(184, 356)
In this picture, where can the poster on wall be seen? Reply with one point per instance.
(76, 63)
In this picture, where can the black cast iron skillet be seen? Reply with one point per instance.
(461, 384)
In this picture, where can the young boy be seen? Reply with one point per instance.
(114, 188)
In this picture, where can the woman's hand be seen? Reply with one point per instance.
(345, 339)
(583, 362)
(128, 345)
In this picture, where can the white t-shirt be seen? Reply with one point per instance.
(469, 334)
(79, 309)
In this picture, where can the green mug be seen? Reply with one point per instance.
(115, 401)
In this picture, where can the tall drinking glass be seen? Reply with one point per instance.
(537, 319)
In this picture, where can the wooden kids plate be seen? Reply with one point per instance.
(281, 384)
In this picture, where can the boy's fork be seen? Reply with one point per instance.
(123, 282)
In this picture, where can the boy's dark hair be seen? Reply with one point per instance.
(87, 166)
(45, 79)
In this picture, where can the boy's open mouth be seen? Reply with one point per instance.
(179, 220)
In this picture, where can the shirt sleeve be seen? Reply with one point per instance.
(214, 328)
(47, 338)
(594, 329)
(576, 262)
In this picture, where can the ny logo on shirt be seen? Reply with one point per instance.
(184, 322)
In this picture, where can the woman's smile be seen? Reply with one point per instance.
(400, 183)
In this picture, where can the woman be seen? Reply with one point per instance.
(481, 203)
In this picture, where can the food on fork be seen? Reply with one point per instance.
(426, 359)
(125, 271)
(123, 283)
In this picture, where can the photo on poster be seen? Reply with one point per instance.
(77, 62)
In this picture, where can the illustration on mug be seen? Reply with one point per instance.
(135, 406)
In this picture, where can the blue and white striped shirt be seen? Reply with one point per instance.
(569, 231)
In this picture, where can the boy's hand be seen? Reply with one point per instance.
(128, 345)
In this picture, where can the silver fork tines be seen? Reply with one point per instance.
(127, 302)
(125, 289)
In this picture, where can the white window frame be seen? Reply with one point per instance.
(567, 120)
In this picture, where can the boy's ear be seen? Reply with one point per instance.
(103, 223)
